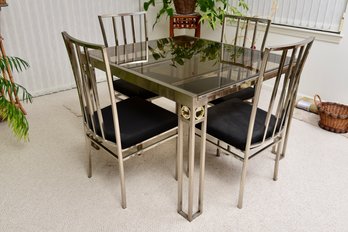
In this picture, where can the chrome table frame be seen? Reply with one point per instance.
(191, 109)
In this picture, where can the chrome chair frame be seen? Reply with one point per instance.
(126, 28)
(246, 24)
(84, 74)
(280, 108)
(123, 17)
(245, 27)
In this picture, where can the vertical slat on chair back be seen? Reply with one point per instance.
(245, 31)
(285, 86)
(244, 61)
(119, 29)
(84, 74)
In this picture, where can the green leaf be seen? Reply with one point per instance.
(6, 86)
(14, 62)
(148, 3)
(8, 110)
(212, 11)
(15, 119)
(170, 11)
(146, 6)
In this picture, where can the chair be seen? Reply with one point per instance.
(245, 32)
(122, 29)
(245, 129)
(122, 129)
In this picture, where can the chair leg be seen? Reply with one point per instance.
(218, 149)
(90, 163)
(242, 182)
(88, 147)
(176, 159)
(228, 148)
(286, 136)
(274, 149)
(284, 145)
(122, 181)
(276, 164)
(277, 147)
(139, 148)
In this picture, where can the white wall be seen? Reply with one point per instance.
(326, 70)
(32, 30)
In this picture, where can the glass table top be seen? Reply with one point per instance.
(189, 65)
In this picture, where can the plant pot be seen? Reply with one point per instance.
(185, 7)
(184, 41)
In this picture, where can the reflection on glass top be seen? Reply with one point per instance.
(188, 64)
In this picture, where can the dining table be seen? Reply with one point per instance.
(191, 72)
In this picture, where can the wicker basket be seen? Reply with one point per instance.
(333, 116)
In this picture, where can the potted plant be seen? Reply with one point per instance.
(182, 48)
(211, 11)
(9, 91)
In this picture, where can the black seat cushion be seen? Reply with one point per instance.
(229, 122)
(243, 94)
(131, 90)
(139, 120)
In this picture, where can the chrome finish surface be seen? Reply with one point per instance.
(122, 29)
(185, 112)
(200, 112)
(91, 107)
(185, 68)
(218, 152)
(89, 145)
(202, 160)
(191, 72)
(279, 109)
(180, 149)
(191, 121)
(245, 30)
(191, 165)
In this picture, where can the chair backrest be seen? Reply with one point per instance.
(280, 103)
(245, 31)
(88, 91)
(126, 28)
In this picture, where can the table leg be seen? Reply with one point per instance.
(179, 161)
(202, 163)
(191, 160)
